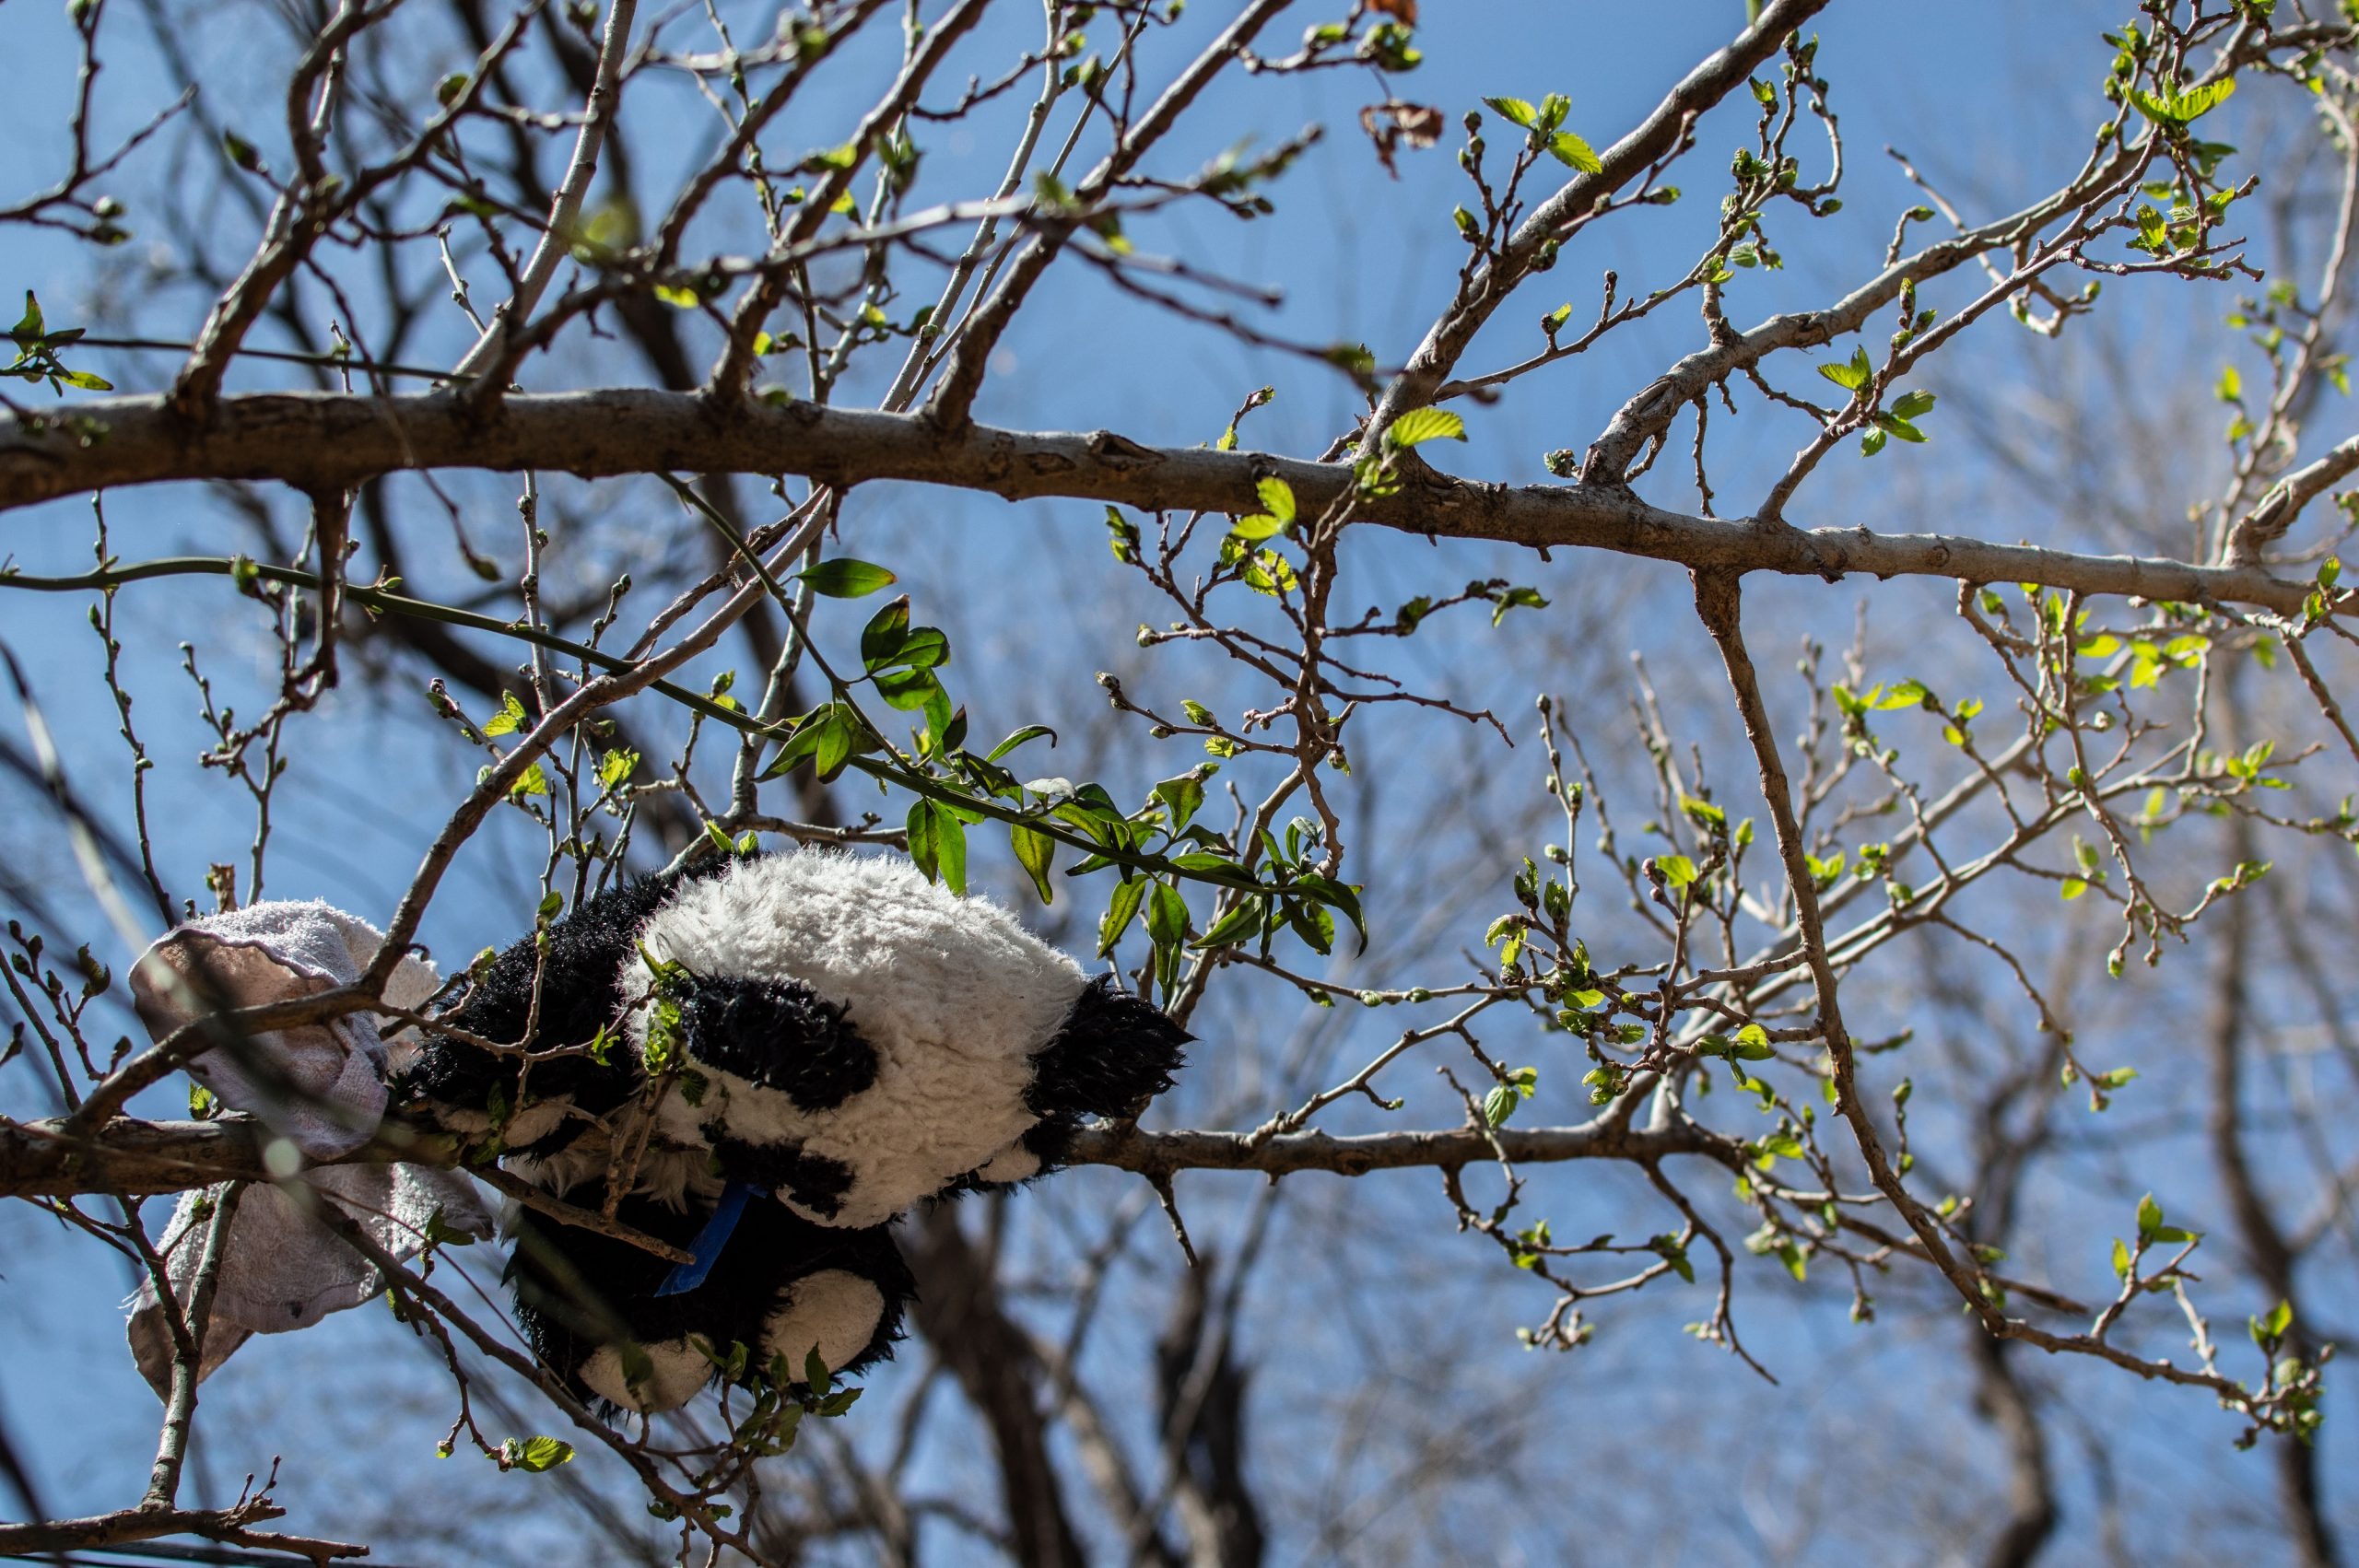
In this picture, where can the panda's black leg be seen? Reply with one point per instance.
(780, 1286)
(835, 1293)
(589, 1306)
(1114, 1053)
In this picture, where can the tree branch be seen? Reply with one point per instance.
(46, 1159)
(320, 441)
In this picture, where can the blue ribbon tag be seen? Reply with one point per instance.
(686, 1277)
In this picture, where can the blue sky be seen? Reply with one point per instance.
(1990, 100)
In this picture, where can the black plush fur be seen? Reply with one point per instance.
(1113, 1054)
(576, 1290)
(814, 1181)
(780, 1034)
(591, 952)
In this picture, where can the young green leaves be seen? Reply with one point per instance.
(1855, 375)
(1422, 425)
(37, 349)
(1277, 513)
(1546, 122)
(2174, 109)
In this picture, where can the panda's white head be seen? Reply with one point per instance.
(857, 1038)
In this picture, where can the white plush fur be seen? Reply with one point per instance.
(834, 1310)
(679, 1370)
(952, 992)
(671, 1177)
(1019, 1164)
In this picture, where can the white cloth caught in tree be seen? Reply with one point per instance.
(322, 1086)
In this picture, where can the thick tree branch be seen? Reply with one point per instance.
(317, 440)
(45, 1159)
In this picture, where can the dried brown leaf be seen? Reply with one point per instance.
(1396, 123)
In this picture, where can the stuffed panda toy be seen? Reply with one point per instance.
(764, 1061)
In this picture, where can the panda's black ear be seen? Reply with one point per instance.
(1113, 1054)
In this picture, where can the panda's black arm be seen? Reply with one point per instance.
(580, 980)
(1114, 1053)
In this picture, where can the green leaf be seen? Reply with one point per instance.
(86, 381)
(2181, 107)
(678, 298)
(509, 720)
(925, 852)
(1852, 375)
(1206, 867)
(1166, 916)
(538, 1454)
(1314, 925)
(1422, 425)
(1029, 732)
(2150, 1217)
(1036, 852)
(845, 578)
(1514, 108)
(1574, 153)
(833, 742)
(1516, 598)
(1184, 796)
(1240, 923)
(28, 329)
(1678, 871)
(1120, 910)
(1277, 498)
(950, 847)
(1499, 1104)
(926, 647)
(615, 768)
(885, 631)
(1340, 895)
(910, 690)
(1122, 536)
